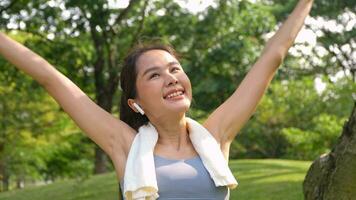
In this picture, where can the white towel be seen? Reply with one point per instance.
(140, 177)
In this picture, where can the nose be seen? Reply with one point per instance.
(171, 80)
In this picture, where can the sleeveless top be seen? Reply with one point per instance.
(185, 179)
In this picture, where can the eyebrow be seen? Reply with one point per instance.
(153, 68)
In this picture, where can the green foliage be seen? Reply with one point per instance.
(325, 8)
(71, 157)
(296, 122)
(23, 155)
(305, 144)
(227, 51)
(339, 96)
(21, 123)
(33, 128)
(217, 46)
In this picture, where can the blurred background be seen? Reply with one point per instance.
(299, 118)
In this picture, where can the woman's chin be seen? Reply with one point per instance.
(181, 107)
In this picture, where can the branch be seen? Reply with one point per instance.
(124, 12)
(99, 61)
(113, 82)
(36, 33)
(114, 78)
(139, 30)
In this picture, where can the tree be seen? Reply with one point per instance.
(86, 40)
(296, 121)
(93, 24)
(99, 36)
(34, 133)
(335, 45)
(21, 123)
(333, 175)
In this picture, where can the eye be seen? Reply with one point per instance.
(154, 75)
(174, 69)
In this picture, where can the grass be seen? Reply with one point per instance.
(258, 180)
(269, 179)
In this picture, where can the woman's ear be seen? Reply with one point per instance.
(135, 107)
(130, 102)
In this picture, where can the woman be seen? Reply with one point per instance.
(153, 82)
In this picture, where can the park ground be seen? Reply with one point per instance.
(259, 179)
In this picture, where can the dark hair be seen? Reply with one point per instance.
(128, 82)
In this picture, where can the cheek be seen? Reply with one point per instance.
(187, 85)
(149, 91)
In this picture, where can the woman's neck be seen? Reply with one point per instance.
(172, 133)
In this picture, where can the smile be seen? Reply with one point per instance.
(174, 94)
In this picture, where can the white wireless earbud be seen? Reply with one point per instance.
(138, 108)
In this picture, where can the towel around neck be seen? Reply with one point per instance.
(140, 181)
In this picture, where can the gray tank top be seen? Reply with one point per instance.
(186, 179)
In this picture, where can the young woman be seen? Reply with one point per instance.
(153, 81)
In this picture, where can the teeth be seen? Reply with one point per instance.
(175, 94)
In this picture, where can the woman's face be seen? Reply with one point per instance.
(162, 86)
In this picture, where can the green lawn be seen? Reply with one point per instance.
(258, 180)
(269, 179)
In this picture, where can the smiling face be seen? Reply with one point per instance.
(162, 86)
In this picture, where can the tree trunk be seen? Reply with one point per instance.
(20, 181)
(100, 161)
(1, 175)
(5, 179)
(106, 63)
(333, 176)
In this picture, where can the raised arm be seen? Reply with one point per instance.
(227, 120)
(108, 132)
